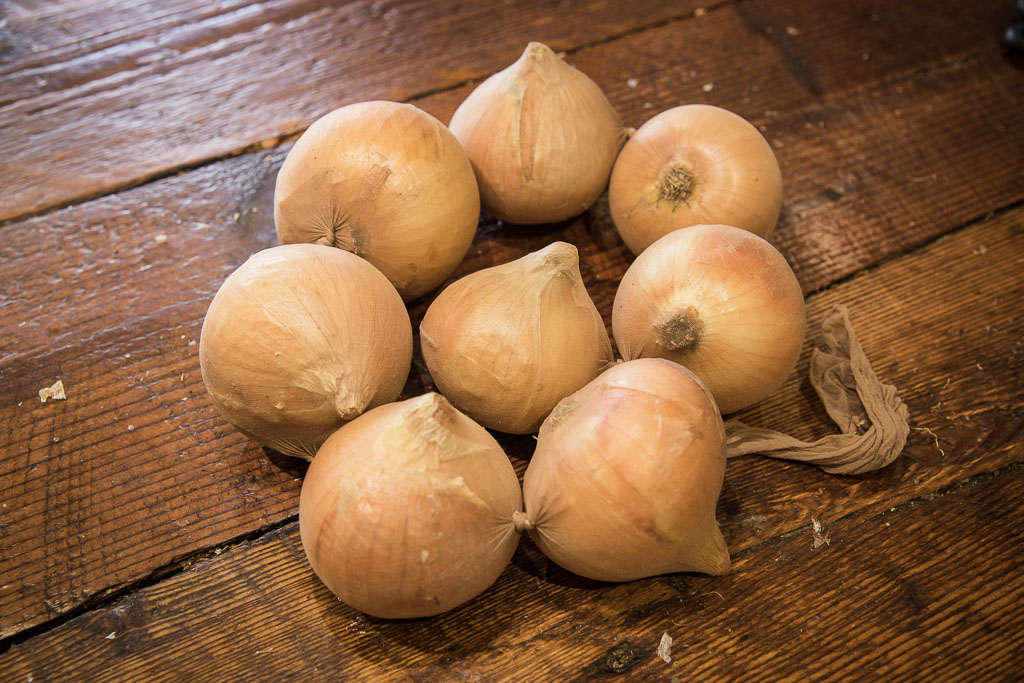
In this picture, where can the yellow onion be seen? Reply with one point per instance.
(693, 165)
(299, 340)
(719, 300)
(626, 474)
(542, 138)
(505, 344)
(407, 511)
(387, 182)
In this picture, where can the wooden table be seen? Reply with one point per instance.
(142, 537)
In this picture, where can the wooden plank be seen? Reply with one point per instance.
(72, 534)
(258, 610)
(142, 96)
(190, 86)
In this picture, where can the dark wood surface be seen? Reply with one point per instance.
(140, 534)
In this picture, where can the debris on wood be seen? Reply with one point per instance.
(54, 391)
(665, 648)
(819, 533)
(160, 239)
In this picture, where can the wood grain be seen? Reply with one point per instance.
(127, 106)
(141, 96)
(258, 611)
(105, 506)
(967, 403)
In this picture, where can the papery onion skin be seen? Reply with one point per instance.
(626, 475)
(692, 165)
(407, 510)
(719, 300)
(542, 139)
(300, 339)
(386, 181)
(505, 344)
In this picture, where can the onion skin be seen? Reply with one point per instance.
(387, 182)
(626, 475)
(542, 139)
(300, 339)
(505, 344)
(692, 165)
(407, 510)
(719, 300)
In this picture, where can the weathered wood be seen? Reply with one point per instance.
(140, 97)
(75, 528)
(79, 122)
(259, 611)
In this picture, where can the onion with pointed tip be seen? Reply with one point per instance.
(691, 165)
(407, 511)
(542, 139)
(505, 344)
(626, 474)
(300, 339)
(386, 181)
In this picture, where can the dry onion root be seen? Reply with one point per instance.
(386, 181)
(300, 339)
(407, 511)
(542, 139)
(720, 301)
(693, 165)
(506, 343)
(626, 474)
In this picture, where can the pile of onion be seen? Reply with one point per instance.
(412, 508)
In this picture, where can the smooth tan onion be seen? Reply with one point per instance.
(386, 181)
(542, 138)
(626, 474)
(407, 511)
(691, 165)
(719, 300)
(505, 344)
(299, 340)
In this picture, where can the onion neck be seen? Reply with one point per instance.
(560, 258)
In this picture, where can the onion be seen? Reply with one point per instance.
(626, 474)
(387, 182)
(719, 300)
(505, 344)
(407, 511)
(542, 138)
(299, 340)
(692, 165)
